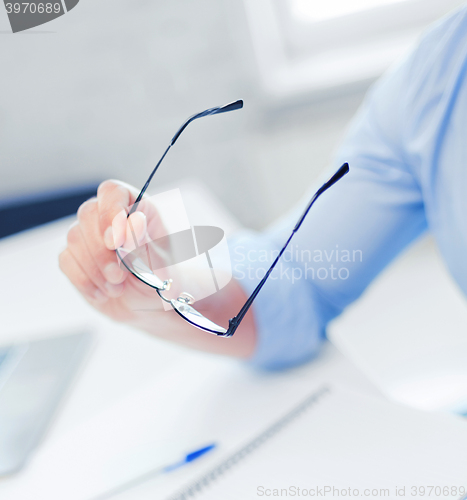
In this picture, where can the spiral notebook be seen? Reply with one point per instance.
(336, 443)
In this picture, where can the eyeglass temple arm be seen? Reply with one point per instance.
(211, 111)
(236, 320)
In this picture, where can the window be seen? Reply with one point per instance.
(306, 46)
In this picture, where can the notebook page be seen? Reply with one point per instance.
(376, 449)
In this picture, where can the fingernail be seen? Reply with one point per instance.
(100, 297)
(109, 239)
(113, 273)
(142, 225)
(114, 291)
(136, 228)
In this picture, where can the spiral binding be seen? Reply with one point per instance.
(202, 483)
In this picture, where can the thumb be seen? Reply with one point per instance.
(114, 199)
(136, 231)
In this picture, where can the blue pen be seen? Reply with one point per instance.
(188, 458)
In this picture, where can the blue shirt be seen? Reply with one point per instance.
(407, 151)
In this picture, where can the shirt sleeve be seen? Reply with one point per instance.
(352, 232)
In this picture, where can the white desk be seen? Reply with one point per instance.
(408, 332)
(138, 402)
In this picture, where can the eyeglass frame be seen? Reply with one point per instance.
(234, 322)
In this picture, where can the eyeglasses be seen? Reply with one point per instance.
(182, 305)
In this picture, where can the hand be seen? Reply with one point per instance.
(91, 264)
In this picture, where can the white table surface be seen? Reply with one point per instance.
(137, 402)
(408, 332)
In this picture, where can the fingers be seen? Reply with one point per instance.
(90, 261)
(115, 199)
(86, 243)
(79, 278)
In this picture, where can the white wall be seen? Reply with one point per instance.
(99, 93)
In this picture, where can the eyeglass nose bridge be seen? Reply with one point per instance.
(184, 297)
(166, 287)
